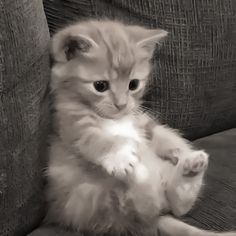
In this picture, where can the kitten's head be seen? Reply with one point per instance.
(104, 64)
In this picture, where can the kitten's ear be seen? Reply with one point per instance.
(67, 45)
(146, 38)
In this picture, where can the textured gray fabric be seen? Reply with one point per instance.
(24, 75)
(194, 86)
(216, 209)
(54, 231)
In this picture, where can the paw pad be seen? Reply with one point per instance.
(196, 163)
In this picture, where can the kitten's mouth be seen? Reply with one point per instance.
(114, 115)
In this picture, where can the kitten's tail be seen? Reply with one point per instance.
(169, 226)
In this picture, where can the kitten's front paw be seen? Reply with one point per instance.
(121, 162)
(195, 164)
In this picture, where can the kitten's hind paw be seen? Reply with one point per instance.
(196, 163)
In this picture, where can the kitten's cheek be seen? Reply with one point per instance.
(132, 105)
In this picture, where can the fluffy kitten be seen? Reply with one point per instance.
(107, 170)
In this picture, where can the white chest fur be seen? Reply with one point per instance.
(126, 128)
(123, 127)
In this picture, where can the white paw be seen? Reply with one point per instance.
(121, 162)
(196, 163)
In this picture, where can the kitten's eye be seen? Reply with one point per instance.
(133, 84)
(101, 85)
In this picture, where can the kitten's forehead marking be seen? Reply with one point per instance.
(123, 62)
(112, 74)
(119, 52)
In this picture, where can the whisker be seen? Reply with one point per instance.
(153, 114)
(145, 108)
(150, 102)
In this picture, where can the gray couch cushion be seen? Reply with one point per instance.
(24, 75)
(194, 86)
(216, 208)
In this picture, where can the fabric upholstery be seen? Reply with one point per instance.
(24, 75)
(216, 208)
(194, 79)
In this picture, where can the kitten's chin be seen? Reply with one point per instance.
(114, 115)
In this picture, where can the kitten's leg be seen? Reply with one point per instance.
(166, 140)
(186, 182)
(116, 154)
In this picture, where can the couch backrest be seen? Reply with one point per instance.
(24, 75)
(194, 85)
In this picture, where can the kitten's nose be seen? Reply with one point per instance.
(120, 106)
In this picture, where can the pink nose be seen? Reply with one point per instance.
(120, 106)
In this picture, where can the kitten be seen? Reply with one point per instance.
(108, 168)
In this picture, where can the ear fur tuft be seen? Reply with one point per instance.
(67, 44)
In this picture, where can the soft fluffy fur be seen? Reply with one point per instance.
(112, 168)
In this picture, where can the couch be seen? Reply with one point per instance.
(193, 89)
